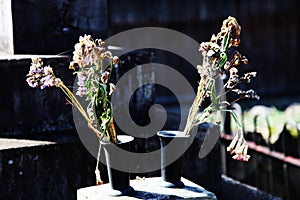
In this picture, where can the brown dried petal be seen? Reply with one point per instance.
(248, 76)
(112, 88)
(231, 25)
(213, 38)
(244, 60)
(205, 46)
(249, 94)
(233, 78)
(115, 60)
(104, 77)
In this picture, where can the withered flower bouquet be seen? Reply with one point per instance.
(89, 59)
(215, 65)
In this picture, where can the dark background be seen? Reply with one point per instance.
(269, 36)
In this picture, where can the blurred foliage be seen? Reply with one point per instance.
(269, 121)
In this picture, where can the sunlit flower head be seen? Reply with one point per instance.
(239, 148)
(41, 76)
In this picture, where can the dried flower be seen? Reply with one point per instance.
(112, 88)
(205, 46)
(231, 25)
(248, 77)
(115, 60)
(99, 42)
(230, 148)
(107, 54)
(104, 77)
(239, 148)
(249, 94)
(48, 70)
(233, 78)
(41, 76)
(215, 64)
(47, 81)
(82, 77)
(236, 60)
(81, 91)
(82, 51)
(93, 83)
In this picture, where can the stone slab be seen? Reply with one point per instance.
(18, 57)
(6, 143)
(44, 169)
(148, 188)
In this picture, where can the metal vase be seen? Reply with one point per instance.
(119, 180)
(172, 157)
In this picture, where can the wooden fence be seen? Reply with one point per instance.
(274, 168)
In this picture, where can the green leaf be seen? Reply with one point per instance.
(222, 60)
(225, 42)
(235, 117)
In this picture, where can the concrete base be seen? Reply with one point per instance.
(148, 189)
(35, 169)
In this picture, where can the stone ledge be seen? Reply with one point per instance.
(233, 189)
(44, 169)
(16, 143)
(18, 57)
(148, 189)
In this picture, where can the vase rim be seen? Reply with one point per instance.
(124, 138)
(121, 139)
(172, 134)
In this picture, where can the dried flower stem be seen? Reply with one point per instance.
(97, 171)
(76, 103)
(194, 110)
